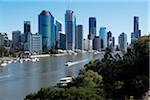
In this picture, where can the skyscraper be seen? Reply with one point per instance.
(92, 28)
(79, 37)
(44, 30)
(136, 32)
(52, 31)
(70, 29)
(103, 37)
(57, 35)
(122, 42)
(27, 30)
(136, 27)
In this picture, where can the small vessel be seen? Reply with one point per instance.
(63, 82)
(35, 59)
(27, 59)
(69, 63)
(9, 61)
(4, 64)
(21, 60)
(15, 61)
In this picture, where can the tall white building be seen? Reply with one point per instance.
(35, 43)
(70, 25)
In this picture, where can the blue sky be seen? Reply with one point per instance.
(116, 15)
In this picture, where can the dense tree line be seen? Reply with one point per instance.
(114, 77)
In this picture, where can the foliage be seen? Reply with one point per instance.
(72, 93)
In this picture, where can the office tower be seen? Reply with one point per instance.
(103, 37)
(35, 43)
(92, 28)
(58, 28)
(44, 30)
(27, 30)
(62, 40)
(79, 37)
(52, 31)
(96, 43)
(70, 29)
(136, 27)
(136, 32)
(16, 38)
(123, 42)
(27, 27)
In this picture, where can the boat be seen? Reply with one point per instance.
(75, 62)
(21, 60)
(34, 59)
(4, 64)
(15, 61)
(27, 59)
(70, 63)
(9, 61)
(63, 82)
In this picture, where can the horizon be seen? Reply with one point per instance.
(119, 20)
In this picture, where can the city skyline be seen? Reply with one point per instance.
(116, 22)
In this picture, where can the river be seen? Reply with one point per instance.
(19, 79)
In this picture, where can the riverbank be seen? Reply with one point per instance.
(39, 56)
(7, 58)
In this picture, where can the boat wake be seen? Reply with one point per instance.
(75, 62)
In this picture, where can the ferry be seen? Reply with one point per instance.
(63, 82)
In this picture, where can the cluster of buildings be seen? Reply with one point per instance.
(50, 35)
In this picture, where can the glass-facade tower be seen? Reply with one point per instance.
(79, 36)
(57, 35)
(70, 29)
(92, 28)
(52, 31)
(27, 30)
(103, 37)
(44, 30)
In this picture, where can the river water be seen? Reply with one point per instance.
(19, 79)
